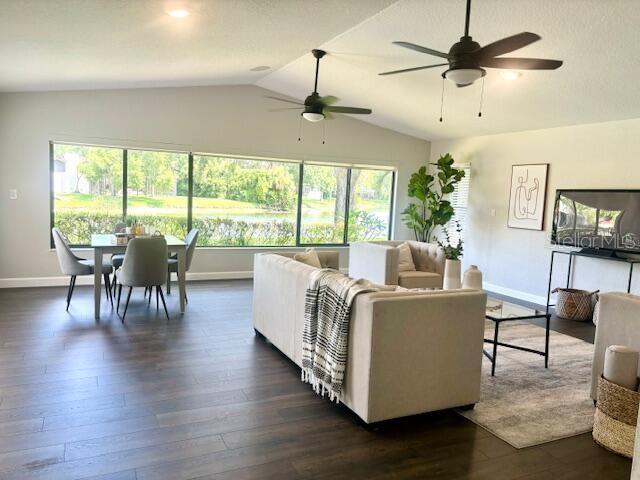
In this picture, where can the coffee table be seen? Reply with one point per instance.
(499, 311)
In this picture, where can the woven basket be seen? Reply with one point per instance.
(575, 304)
(614, 423)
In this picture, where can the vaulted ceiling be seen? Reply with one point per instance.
(79, 44)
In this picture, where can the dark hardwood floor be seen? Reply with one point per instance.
(202, 397)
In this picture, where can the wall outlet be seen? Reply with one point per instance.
(493, 212)
(13, 194)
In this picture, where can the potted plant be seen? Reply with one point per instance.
(431, 209)
(452, 253)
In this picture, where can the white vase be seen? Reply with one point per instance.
(451, 275)
(472, 278)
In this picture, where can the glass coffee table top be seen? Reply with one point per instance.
(502, 310)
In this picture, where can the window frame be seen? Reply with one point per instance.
(191, 155)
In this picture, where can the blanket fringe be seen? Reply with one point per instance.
(319, 386)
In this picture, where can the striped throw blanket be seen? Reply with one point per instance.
(325, 338)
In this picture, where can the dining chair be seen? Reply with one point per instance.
(144, 265)
(117, 258)
(191, 240)
(72, 265)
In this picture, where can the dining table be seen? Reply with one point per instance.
(103, 244)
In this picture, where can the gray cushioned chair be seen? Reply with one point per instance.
(72, 265)
(144, 265)
(191, 240)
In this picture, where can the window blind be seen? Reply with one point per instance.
(460, 201)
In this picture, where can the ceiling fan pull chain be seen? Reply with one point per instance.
(442, 99)
(481, 98)
(300, 130)
(324, 132)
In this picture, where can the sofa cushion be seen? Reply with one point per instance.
(310, 257)
(417, 279)
(405, 259)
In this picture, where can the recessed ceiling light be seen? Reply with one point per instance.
(178, 13)
(260, 68)
(510, 74)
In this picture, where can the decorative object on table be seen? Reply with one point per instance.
(616, 417)
(432, 209)
(574, 304)
(472, 278)
(528, 196)
(452, 253)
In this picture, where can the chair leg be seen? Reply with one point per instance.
(186, 300)
(126, 305)
(107, 287)
(159, 289)
(157, 300)
(119, 295)
(169, 283)
(113, 283)
(150, 291)
(72, 284)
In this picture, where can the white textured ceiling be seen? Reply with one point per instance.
(598, 41)
(93, 44)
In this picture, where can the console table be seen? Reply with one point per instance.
(576, 253)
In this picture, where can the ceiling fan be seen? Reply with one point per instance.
(467, 58)
(317, 108)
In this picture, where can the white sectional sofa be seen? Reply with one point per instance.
(378, 262)
(409, 352)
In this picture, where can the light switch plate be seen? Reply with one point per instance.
(13, 194)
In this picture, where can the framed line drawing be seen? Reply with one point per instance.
(527, 197)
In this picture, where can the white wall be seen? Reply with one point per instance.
(516, 262)
(231, 120)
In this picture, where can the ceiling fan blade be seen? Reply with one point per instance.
(418, 48)
(329, 100)
(327, 115)
(283, 109)
(507, 45)
(521, 63)
(283, 100)
(354, 110)
(413, 69)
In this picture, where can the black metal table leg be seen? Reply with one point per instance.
(495, 350)
(546, 343)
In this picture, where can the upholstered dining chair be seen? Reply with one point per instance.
(117, 258)
(73, 266)
(144, 265)
(191, 240)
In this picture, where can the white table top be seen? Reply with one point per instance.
(102, 240)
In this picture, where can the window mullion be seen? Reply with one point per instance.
(125, 187)
(299, 212)
(190, 193)
(346, 208)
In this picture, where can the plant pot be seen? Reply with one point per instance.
(472, 278)
(451, 279)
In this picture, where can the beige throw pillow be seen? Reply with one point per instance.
(310, 257)
(405, 260)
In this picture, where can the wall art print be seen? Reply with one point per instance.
(528, 196)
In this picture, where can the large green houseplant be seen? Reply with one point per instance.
(431, 208)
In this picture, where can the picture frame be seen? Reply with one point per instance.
(528, 196)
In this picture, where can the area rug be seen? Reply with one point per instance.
(526, 404)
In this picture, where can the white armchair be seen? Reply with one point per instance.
(378, 263)
(618, 324)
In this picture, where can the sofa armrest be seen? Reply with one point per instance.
(618, 324)
(375, 262)
(414, 353)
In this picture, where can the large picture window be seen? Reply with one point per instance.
(232, 201)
